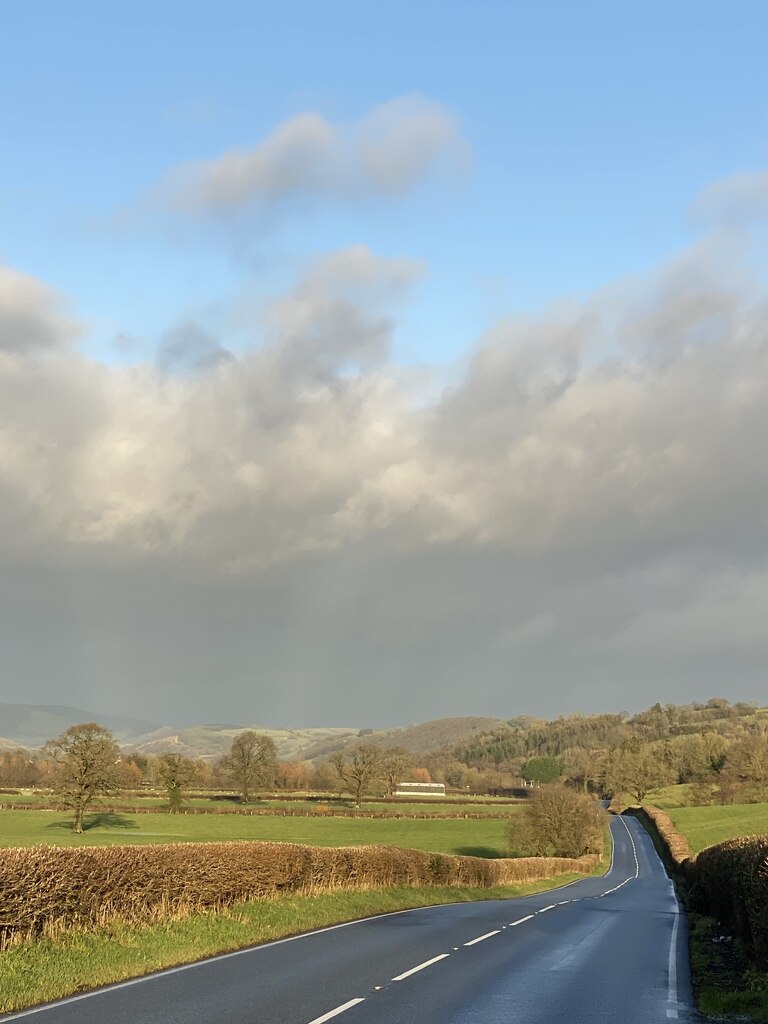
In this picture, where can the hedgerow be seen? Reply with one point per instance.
(45, 889)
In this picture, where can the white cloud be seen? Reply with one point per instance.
(388, 151)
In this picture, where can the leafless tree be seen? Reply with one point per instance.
(358, 768)
(251, 762)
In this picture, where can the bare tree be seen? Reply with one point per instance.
(251, 762)
(176, 773)
(395, 763)
(558, 821)
(86, 760)
(358, 768)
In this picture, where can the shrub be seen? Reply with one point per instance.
(558, 822)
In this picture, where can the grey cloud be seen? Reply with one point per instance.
(31, 315)
(389, 150)
(577, 523)
(190, 349)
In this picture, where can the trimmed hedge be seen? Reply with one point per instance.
(676, 844)
(46, 889)
(734, 878)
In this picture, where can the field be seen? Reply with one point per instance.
(219, 802)
(477, 837)
(705, 826)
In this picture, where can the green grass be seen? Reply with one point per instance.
(79, 960)
(705, 826)
(479, 805)
(484, 838)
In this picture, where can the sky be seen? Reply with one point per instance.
(362, 364)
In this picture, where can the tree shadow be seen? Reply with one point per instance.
(101, 819)
(489, 852)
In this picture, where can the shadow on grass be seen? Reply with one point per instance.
(489, 852)
(101, 819)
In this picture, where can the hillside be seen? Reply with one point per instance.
(31, 725)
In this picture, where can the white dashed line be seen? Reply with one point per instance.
(427, 963)
(481, 938)
(513, 924)
(337, 1011)
(545, 909)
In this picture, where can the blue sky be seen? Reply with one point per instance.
(591, 127)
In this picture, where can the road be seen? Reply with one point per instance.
(611, 949)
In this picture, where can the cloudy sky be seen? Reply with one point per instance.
(363, 364)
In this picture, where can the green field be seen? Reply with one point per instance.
(484, 838)
(705, 826)
(487, 805)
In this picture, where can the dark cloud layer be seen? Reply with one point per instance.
(304, 534)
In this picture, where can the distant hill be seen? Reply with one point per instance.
(213, 740)
(31, 725)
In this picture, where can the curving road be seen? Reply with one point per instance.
(609, 949)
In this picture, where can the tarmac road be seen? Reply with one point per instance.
(610, 949)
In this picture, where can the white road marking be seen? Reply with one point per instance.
(563, 902)
(480, 938)
(672, 973)
(427, 963)
(522, 920)
(545, 909)
(213, 959)
(337, 1011)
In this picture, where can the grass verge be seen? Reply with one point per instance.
(80, 960)
(724, 984)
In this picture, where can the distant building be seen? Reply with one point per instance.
(420, 789)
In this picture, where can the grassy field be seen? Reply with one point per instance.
(479, 805)
(705, 826)
(478, 837)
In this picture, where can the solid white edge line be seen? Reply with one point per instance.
(522, 920)
(481, 937)
(17, 1015)
(337, 1011)
(427, 963)
(673, 959)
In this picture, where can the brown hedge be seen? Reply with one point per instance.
(675, 843)
(45, 889)
(734, 878)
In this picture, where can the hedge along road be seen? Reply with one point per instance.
(611, 948)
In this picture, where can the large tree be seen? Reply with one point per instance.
(176, 773)
(251, 762)
(359, 768)
(86, 759)
(557, 821)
